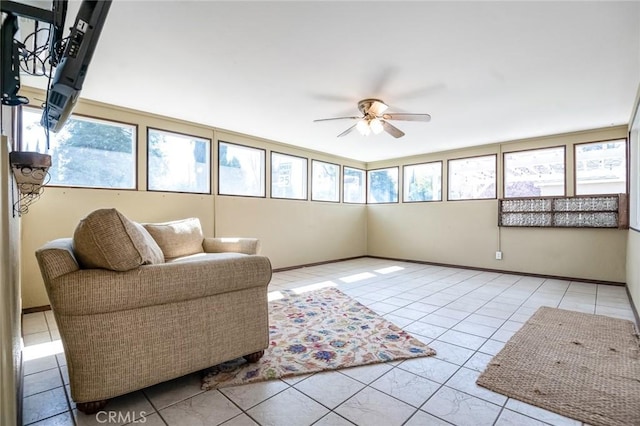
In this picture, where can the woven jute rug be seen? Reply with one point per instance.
(582, 366)
(315, 331)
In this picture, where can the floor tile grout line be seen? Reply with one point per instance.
(242, 410)
(475, 351)
(385, 284)
(144, 393)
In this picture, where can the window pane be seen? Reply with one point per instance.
(354, 185)
(325, 185)
(423, 182)
(288, 176)
(601, 168)
(178, 163)
(534, 173)
(472, 178)
(87, 152)
(240, 170)
(383, 186)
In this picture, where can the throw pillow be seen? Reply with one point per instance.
(107, 239)
(178, 238)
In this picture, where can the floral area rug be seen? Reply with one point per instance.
(316, 331)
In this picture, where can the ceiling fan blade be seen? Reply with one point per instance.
(349, 130)
(406, 116)
(391, 129)
(377, 108)
(337, 118)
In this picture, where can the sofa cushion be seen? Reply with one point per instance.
(178, 238)
(107, 239)
(155, 252)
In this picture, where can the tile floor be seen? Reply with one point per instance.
(465, 315)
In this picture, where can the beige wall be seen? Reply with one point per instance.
(300, 232)
(633, 241)
(291, 232)
(10, 305)
(59, 210)
(633, 267)
(466, 232)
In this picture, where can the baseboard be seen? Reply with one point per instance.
(307, 265)
(36, 309)
(500, 271)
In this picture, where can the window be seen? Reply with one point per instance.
(354, 186)
(288, 176)
(178, 163)
(87, 152)
(422, 182)
(601, 167)
(383, 185)
(472, 178)
(325, 183)
(534, 173)
(241, 170)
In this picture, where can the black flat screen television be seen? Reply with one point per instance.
(71, 71)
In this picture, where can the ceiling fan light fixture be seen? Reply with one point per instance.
(375, 120)
(363, 128)
(376, 126)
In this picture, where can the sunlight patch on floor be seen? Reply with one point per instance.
(316, 286)
(388, 270)
(357, 277)
(274, 295)
(41, 350)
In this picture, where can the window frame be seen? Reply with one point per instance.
(338, 193)
(504, 171)
(449, 160)
(397, 201)
(264, 170)
(136, 140)
(364, 171)
(575, 163)
(180, 134)
(306, 180)
(404, 200)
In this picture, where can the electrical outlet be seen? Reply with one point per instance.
(498, 255)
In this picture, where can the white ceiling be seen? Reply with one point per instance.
(486, 71)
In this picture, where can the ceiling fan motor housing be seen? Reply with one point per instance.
(365, 104)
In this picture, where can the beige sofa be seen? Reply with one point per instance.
(139, 305)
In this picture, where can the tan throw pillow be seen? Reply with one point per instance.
(107, 239)
(178, 238)
(154, 254)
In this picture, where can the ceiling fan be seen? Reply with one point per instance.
(375, 120)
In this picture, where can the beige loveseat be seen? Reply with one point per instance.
(138, 304)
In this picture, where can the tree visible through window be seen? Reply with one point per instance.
(354, 185)
(241, 170)
(178, 163)
(423, 182)
(87, 152)
(325, 185)
(383, 185)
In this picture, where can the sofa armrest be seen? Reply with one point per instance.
(231, 245)
(56, 258)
